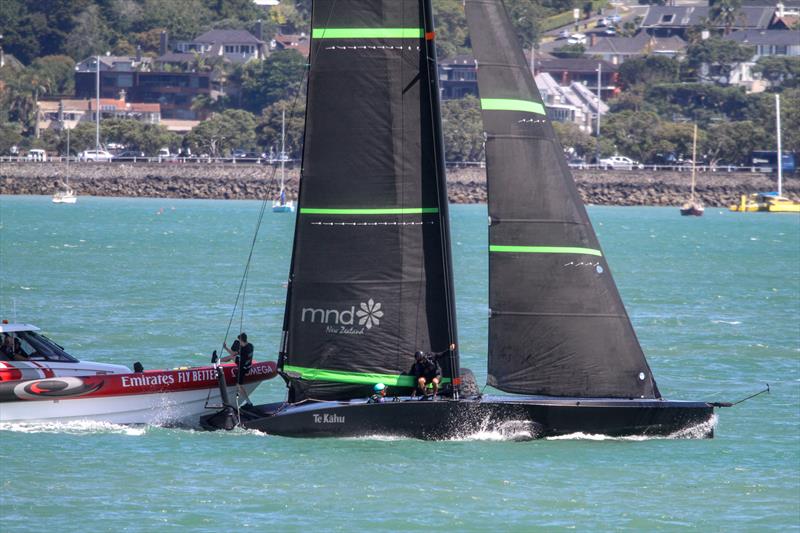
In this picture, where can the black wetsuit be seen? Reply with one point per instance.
(244, 360)
(428, 368)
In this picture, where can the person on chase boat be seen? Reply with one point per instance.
(242, 352)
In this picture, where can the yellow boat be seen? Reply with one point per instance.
(766, 201)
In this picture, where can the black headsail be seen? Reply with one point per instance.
(370, 280)
(558, 326)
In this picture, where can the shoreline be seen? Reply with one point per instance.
(465, 185)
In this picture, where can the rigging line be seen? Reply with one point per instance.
(264, 203)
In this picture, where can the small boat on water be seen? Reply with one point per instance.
(65, 196)
(693, 207)
(40, 382)
(280, 205)
(771, 202)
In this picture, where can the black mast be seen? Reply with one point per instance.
(558, 326)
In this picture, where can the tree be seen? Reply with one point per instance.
(570, 50)
(183, 19)
(223, 132)
(725, 13)
(783, 71)
(632, 133)
(135, 135)
(462, 129)
(10, 135)
(276, 78)
(526, 16)
(649, 70)
(732, 142)
(268, 128)
(91, 34)
(715, 58)
(59, 71)
(571, 136)
(451, 28)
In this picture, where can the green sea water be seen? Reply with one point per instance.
(715, 302)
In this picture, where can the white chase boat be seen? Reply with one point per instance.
(42, 382)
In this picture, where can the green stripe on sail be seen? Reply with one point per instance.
(387, 211)
(367, 33)
(341, 376)
(545, 250)
(506, 104)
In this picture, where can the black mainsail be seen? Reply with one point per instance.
(370, 279)
(557, 325)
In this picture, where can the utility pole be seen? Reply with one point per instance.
(97, 104)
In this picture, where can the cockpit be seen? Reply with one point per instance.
(31, 346)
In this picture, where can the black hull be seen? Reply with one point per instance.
(514, 417)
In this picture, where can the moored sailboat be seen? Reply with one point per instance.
(371, 278)
(693, 207)
(280, 204)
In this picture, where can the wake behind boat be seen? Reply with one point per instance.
(371, 277)
(42, 382)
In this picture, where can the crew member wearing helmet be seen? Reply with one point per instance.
(426, 370)
(379, 395)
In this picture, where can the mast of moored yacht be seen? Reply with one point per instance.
(283, 150)
(778, 132)
(694, 158)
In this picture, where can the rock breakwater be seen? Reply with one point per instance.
(465, 185)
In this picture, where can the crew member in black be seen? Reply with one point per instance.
(242, 353)
(426, 370)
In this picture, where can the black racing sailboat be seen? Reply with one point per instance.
(371, 277)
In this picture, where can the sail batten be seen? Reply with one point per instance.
(557, 325)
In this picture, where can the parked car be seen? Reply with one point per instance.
(95, 155)
(563, 34)
(128, 155)
(36, 154)
(619, 162)
(577, 38)
(243, 154)
(610, 32)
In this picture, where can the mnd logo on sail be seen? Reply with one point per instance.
(343, 321)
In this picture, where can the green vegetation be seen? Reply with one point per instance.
(651, 117)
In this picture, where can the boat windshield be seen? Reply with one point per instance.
(39, 348)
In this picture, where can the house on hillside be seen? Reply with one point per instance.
(574, 103)
(291, 41)
(68, 113)
(768, 42)
(109, 63)
(236, 46)
(458, 77)
(664, 21)
(616, 50)
(173, 91)
(583, 70)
